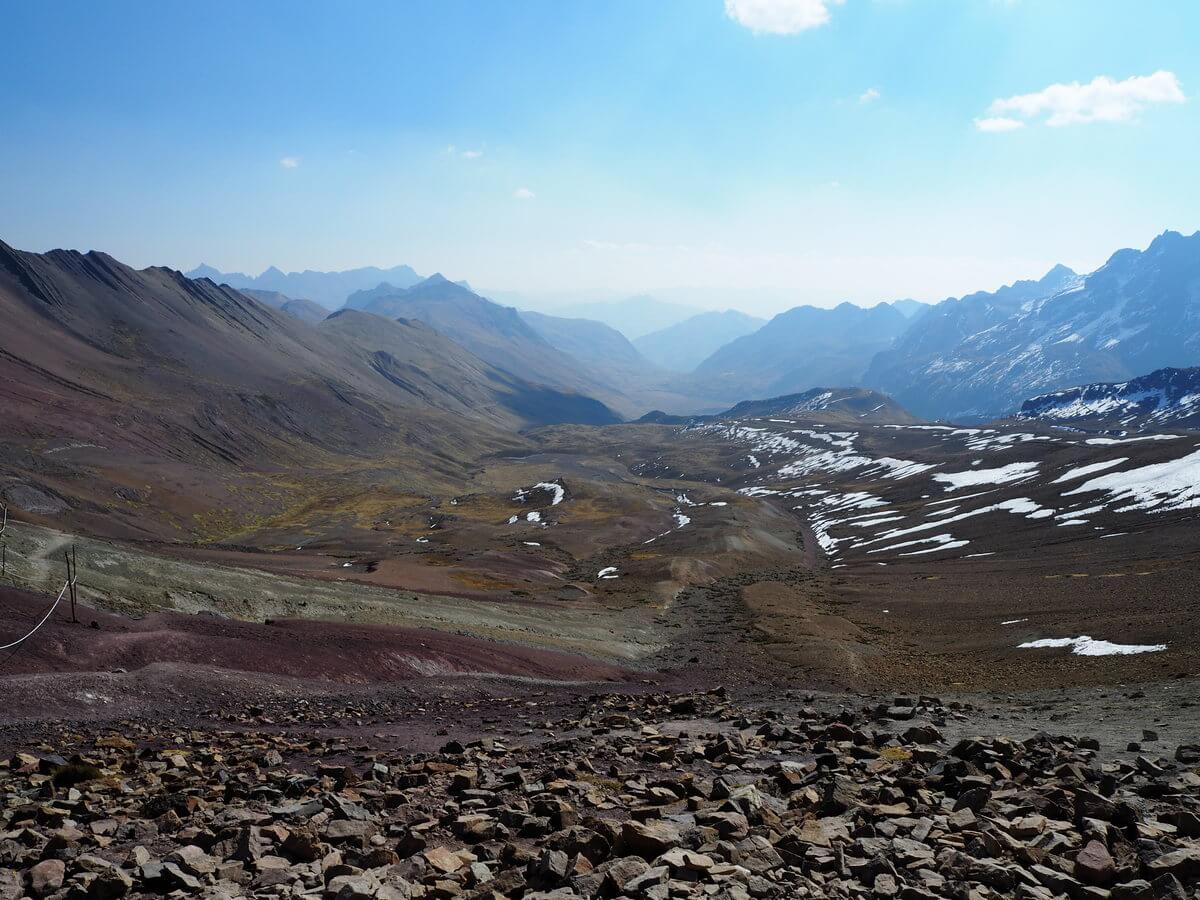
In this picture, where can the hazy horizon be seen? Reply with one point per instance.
(779, 152)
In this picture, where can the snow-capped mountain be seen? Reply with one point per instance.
(915, 368)
(1168, 398)
(1137, 313)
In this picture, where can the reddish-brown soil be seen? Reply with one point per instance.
(351, 654)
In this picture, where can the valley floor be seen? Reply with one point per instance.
(632, 661)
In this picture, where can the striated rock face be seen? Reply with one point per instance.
(653, 796)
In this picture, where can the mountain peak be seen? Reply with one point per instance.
(436, 278)
(1058, 273)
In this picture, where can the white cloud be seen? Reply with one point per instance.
(523, 193)
(870, 95)
(472, 154)
(1100, 100)
(996, 124)
(780, 16)
(290, 162)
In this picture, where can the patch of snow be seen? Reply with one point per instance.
(1080, 471)
(1107, 442)
(557, 490)
(608, 572)
(1088, 646)
(1156, 487)
(1013, 472)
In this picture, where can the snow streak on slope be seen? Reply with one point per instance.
(877, 490)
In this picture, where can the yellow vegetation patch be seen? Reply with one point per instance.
(482, 581)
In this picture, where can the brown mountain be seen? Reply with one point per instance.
(123, 386)
(495, 333)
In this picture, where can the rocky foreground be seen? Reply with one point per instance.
(655, 796)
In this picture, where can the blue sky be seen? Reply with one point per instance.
(754, 153)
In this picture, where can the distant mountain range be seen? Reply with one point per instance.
(978, 357)
(1166, 398)
(578, 355)
(971, 358)
(803, 347)
(304, 310)
(633, 317)
(683, 346)
(329, 289)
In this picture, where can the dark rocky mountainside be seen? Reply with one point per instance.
(1167, 398)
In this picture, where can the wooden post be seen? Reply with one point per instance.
(70, 559)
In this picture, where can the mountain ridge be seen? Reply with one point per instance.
(328, 289)
(1138, 312)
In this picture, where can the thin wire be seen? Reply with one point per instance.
(49, 613)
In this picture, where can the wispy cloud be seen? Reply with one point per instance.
(1101, 100)
(870, 95)
(290, 162)
(463, 154)
(780, 16)
(523, 193)
(997, 124)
